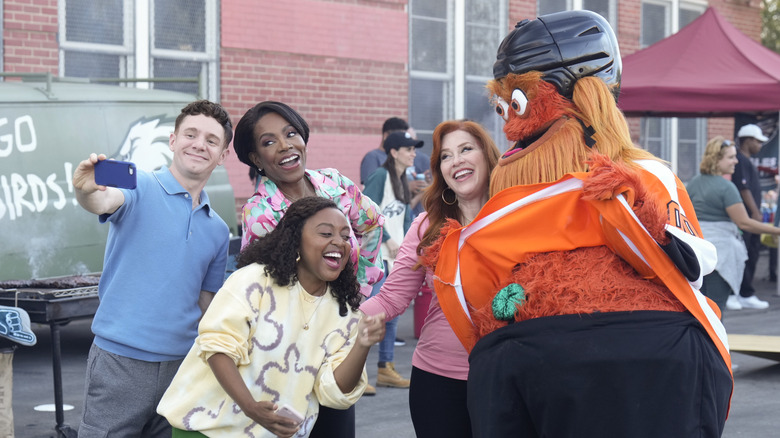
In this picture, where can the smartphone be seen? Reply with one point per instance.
(287, 411)
(112, 173)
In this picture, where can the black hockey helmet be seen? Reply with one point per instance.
(565, 46)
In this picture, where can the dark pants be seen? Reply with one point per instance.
(438, 406)
(715, 288)
(753, 244)
(643, 374)
(334, 423)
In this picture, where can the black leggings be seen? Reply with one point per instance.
(333, 423)
(438, 406)
(753, 244)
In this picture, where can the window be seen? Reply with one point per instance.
(142, 39)
(677, 140)
(453, 46)
(605, 8)
(184, 43)
(95, 42)
(658, 21)
(690, 131)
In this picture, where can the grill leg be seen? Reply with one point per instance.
(63, 430)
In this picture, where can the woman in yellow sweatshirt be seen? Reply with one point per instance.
(285, 329)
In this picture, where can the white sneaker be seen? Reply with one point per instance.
(732, 303)
(753, 302)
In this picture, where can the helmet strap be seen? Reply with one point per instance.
(587, 133)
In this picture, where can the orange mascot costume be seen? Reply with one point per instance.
(576, 287)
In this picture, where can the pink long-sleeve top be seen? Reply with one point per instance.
(438, 351)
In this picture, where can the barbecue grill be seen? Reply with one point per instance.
(56, 302)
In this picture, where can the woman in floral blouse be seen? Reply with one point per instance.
(271, 137)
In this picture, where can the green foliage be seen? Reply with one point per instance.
(770, 24)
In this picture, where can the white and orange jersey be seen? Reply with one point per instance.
(523, 220)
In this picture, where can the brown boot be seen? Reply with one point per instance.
(370, 390)
(388, 376)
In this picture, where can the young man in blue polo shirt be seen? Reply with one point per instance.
(165, 258)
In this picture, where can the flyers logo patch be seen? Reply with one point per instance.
(677, 219)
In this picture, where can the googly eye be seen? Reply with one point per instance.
(502, 108)
(519, 102)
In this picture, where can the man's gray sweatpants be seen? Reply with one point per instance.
(122, 394)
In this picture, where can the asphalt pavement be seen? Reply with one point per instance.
(755, 406)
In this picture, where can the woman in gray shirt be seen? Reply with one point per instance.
(722, 215)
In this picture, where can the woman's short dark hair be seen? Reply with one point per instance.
(279, 250)
(244, 141)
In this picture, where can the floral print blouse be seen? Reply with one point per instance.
(265, 208)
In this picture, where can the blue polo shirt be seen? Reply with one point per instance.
(159, 255)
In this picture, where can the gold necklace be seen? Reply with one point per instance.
(303, 298)
(293, 199)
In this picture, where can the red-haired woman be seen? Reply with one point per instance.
(461, 161)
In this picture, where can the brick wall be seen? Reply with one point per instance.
(745, 15)
(30, 36)
(629, 27)
(341, 64)
(364, 31)
(520, 10)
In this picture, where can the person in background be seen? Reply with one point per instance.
(746, 180)
(165, 258)
(295, 292)
(419, 177)
(388, 187)
(375, 158)
(272, 137)
(722, 214)
(463, 157)
(768, 210)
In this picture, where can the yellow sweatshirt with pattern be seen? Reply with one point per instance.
(259, 324)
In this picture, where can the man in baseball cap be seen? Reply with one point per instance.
(752, 131)
(398, 140)
(745, 177)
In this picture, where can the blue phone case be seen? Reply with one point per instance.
(120, 174)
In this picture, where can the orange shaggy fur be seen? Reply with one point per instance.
(545, 105)
(430, 256)
(608, 178)
(563, 153)
(585, 280)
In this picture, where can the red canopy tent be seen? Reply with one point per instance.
(708, 68)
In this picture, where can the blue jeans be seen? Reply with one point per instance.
(386, 345)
